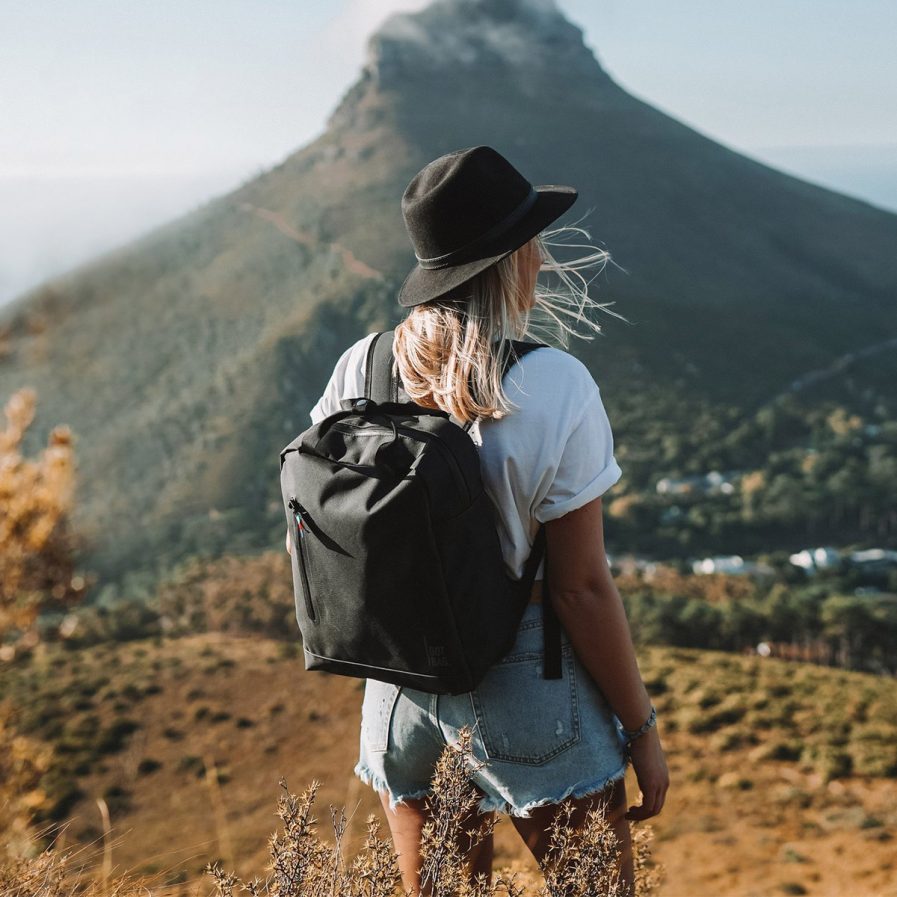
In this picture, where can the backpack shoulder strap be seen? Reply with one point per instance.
(380, 381)
(514, 349)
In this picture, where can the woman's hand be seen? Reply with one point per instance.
(650, 765)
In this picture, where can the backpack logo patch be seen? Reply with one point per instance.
(437, 656)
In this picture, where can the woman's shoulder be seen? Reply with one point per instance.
(557, 358)
(549, 390)
(555, 370)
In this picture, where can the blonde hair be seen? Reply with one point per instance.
(445, 350)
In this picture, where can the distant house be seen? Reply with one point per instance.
(811, 559)
(874, 559)
(629, 564)
(869, 560)
(732, 564)
(712, 483)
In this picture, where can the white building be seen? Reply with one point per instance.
(816, 558)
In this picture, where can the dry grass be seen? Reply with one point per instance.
(579, 862)
(744, 794)
(52, 873)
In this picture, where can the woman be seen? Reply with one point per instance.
(546, 452)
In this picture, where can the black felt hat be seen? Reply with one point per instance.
(466, 211)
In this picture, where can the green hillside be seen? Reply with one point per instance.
(184, 361)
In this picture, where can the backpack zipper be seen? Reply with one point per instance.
(302, 551)
(444, 448)
(425, 437)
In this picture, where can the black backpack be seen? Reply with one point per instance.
(397, 566)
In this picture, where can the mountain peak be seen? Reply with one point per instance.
(452, 36)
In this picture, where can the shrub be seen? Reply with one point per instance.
(778, 749)
(827, 760)
(113, 738)
(147, 765)
(192, 763)
(38, 546)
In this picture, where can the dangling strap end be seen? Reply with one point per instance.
(551, 630)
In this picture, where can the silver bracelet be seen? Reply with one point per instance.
(632, 734)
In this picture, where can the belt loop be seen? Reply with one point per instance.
(434, 709)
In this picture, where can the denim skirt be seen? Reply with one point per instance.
(540, 740)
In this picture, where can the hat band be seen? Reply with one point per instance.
(459, 255)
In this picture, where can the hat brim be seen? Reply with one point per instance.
(423, 285)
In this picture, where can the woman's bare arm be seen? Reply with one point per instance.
(591, 611)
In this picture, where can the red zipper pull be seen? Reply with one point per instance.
(300, 523)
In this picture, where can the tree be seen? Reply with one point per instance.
(849, 625)
(37, 546)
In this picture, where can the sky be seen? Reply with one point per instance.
(118, 115)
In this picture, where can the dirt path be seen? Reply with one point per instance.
(305, 238)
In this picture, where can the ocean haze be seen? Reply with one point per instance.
(866, 172)
(50, 225)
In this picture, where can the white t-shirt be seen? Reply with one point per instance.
(551, 455)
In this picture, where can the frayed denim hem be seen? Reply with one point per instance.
(488, 804)
(379, 785)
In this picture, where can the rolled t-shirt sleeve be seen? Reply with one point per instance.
(586, 467)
